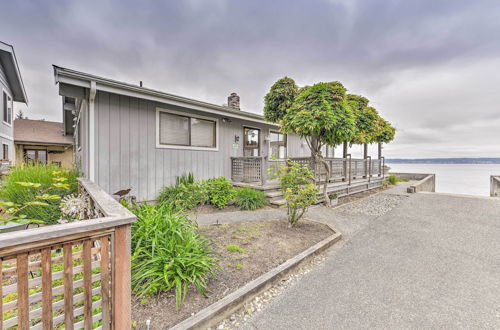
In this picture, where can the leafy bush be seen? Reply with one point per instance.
(393, 179)
(299, 191)
(168, 252)
(220, 191)
(249, 199)
(27, 183)
(185, 195)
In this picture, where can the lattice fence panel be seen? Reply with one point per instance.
(65, 285)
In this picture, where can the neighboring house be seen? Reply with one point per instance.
(42, 142)
(11, 90)
(128, 136)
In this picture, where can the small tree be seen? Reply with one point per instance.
(366, 119)
(298, 188)
(385, 132)
(321, 116)
(20, 115)
(279, 99)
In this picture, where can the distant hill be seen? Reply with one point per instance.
(444, 161)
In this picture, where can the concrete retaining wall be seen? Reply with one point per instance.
(495, 186)
(426, 182)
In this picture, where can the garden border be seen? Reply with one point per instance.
(216, 312)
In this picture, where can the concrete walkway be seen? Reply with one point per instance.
(431, 261)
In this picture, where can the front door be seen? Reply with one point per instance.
(251, 142)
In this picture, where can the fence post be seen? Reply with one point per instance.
(350, 167)
(122, 307)
(263, 170)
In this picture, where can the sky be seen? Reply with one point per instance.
(430, 67)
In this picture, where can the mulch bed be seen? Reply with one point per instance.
(207, 209)
(266, 245)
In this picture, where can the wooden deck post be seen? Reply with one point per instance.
(344, 156)
(263, 170)
(365, 156)
(122, 307)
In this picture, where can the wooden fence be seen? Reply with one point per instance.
(254, 169)
(72, 276)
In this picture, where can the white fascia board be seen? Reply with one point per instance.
(138, 92)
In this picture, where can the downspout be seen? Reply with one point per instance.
(93, 90)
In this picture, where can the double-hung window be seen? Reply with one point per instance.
(7, 108)
(186, 131)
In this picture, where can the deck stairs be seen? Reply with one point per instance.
(275, 197)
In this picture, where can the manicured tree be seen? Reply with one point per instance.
(366, 121)
(385, 132)
(321, 115)
(279, 98)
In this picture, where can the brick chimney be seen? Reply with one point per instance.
(233, 101)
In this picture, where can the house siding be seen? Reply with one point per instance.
(6, 131)
(82, 150)
(127, 156)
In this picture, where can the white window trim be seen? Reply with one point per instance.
(185, 114)
(11, 108)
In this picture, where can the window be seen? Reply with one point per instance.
(251, 142)
(7, 108)
(278, 145)
(186, 131)
(5, 155)
(36, 156)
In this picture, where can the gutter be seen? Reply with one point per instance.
(81, 79)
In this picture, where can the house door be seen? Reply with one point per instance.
(251, 142)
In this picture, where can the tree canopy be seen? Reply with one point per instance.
(279, 98)
(321, 115)
(366, 119)
(385, 131)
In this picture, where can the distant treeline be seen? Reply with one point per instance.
(444, 161)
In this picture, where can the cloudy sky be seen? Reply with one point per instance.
(432, 68)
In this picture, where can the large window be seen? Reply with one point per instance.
(186, 131)
(35, 156)
(278, 145)
(7, 108)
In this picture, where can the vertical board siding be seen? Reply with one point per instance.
(127, 156)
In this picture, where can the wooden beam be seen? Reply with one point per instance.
(122, 308)
(87, 284)
(47, 289)
(23, 306)
(105, 283)
(68, 286)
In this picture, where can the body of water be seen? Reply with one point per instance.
(469, 179)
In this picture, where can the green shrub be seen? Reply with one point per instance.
(42, 178)
(235, 248)
(249, 199)
(168, 252)
(393, 179)
(186, 179)
(299, 191)
(183, 196)
(220, 191)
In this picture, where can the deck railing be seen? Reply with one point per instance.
(254, 169)
(74, 275)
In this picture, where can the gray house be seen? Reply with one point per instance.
(128, 136)
(11, 90)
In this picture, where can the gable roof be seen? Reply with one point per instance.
(40, 132)
(81, 79)
(11, 68)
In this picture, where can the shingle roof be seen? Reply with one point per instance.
(40, 131)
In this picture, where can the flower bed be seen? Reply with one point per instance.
(245, 251)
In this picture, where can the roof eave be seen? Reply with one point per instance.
(68, 76)
(22, 97)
